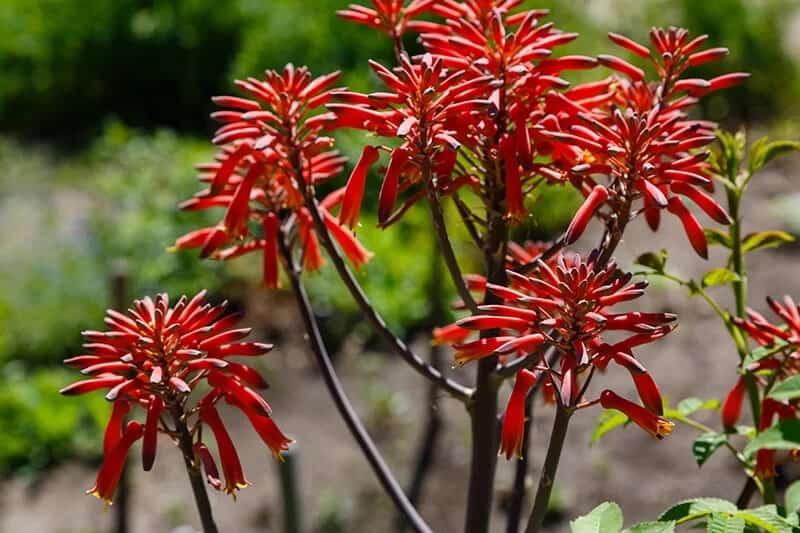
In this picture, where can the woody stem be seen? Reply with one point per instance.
(195, 475)
(343, 405)
(557, 438)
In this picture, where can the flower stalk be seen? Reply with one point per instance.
(343, 405)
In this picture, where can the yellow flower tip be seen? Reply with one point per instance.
(107, 502)
(663, 428)
(171, 249)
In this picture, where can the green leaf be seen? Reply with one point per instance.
(652, 527)
(608, 420)
(653, 261)
(706, 444)
(785, 435)
(696, 508)
(766, 239)
(717, 237)
(690, 406)
(763, 152)
(719, 276)
(764, 351)
(725, 523)
(792, 498)
(766, 518)
(786, 390)
(605, 518)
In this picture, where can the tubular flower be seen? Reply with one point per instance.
(514, 419)
(272, 152)
(482, 86)
(388, 16)
(639, 152)
(780, 362)
(657, 426)
(570, 307)
(431, 110)
(155, 356)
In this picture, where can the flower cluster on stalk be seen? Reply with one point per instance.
(156, 356)
(272, 153)
(636, 150)
(484, 86)
(569, 306)
(779, 360)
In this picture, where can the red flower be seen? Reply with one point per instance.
(156, 356)
(732, 406)
(263, 170)
(389, 16)
(639, 137)
(481, 86)
(514, 418)
(569, 306)
(657, 426)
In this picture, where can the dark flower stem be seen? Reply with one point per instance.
(456, 390)
(445, 246)
(119, 300)
(346, 410)
(483, 410)
(548, 477)
(195, 475)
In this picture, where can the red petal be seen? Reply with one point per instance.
(354, 193)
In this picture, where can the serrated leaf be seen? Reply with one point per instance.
(725, 523)
(792, 498)
(652, 260)
(706, 444)
(652, 527)
(719, 276)
(785, 435)
(763, 152)
(786, 390)
(766, 518)
(717, 237)
(605, 518)
(608, 420)
(690, 406)
(696, 508)
(766, 239)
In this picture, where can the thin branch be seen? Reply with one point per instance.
(545, 256)
(195, 476)
(373, 455)
(455, 389)
(548, 477)
(440, 228)
(468, 217)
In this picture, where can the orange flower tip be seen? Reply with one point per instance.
(107, 502)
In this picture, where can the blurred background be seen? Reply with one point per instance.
(104, 111)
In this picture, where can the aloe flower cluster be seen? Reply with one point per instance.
(569, 307)
(483, 87)
(272, 152)
(780, 361)
(157, 356)
(635, 149)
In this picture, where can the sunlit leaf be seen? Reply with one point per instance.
(608, 420)
(719, 276)
(766, 239)
(605, 518)
(706, 444)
